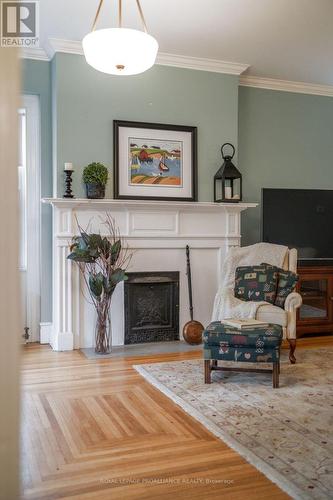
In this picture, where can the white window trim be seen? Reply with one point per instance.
(31, 104)
(22, 189)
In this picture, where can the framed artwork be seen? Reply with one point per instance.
(154, 161)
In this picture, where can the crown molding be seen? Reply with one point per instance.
(201, 64)
(163, 59)
(286, 85)
(55, 45)
(38, 53)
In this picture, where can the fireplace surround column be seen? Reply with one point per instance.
(62, 334)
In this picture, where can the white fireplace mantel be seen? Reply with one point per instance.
(97, 203)
(157, 232)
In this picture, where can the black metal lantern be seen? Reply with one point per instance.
(227, 180)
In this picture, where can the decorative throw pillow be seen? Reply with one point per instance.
(255, 283)
(287, 281)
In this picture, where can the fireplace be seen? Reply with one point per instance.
(151, 301)
(157, 233)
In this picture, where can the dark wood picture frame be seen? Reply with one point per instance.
(154, 126)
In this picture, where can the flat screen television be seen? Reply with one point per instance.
(299, 218)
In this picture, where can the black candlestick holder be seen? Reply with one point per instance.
(68, 182)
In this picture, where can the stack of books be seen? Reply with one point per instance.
(244, 324)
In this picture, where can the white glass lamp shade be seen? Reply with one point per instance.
(120, 51)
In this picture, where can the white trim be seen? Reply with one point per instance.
(46, 332)
(286, 85)
(38, 53)
(31, 104)
(63, 342)
(109, 204)
(201, 64)
(55, 45)
(156, 241)
(163, 59)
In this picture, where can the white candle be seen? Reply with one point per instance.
(68, 166)
(227, 192)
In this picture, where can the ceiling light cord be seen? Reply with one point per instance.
(142, 16)
(120, 16)
(97, 15)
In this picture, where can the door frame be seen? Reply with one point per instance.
(10, 303)
(33, 199)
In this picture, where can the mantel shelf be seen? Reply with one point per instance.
(104, 204)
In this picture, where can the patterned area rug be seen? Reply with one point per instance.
(286, 433)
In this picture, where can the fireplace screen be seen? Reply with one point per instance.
(151, 307)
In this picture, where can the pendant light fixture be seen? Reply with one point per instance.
(120, 51)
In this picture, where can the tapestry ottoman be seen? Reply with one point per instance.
(260, 344)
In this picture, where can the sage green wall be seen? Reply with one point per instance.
(86, 102)
(36, 79)
(285, 141)
(79, 104)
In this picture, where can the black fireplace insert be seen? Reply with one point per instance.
(151, 307)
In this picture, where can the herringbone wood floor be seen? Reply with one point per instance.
(96, 429)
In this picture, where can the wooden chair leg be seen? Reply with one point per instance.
(207, 371)
(275, 375)
(292, 345)
(278, 376)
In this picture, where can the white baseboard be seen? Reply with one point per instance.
(45, 333)
(63, 341)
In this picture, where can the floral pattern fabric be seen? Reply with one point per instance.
(256, 345)
(286, 283)
(256, 283)
(217, 332)
(225, 352)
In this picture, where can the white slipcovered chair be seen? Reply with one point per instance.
(285, 317)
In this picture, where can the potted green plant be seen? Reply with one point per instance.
(102, 261)
(95, 177)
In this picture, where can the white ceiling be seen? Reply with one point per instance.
(282, 39)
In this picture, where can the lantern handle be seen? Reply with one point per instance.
(233, 151)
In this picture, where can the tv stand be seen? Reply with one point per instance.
(315, 285)
(315, 262)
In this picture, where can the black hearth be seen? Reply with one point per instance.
(151, 307)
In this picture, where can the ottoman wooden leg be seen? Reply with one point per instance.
(292, 344)
(275, 375)
(207, 371)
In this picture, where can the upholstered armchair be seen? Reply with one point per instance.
(285, 317)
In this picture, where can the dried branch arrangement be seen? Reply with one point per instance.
(103, 261)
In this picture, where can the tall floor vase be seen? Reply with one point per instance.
(103, 333)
